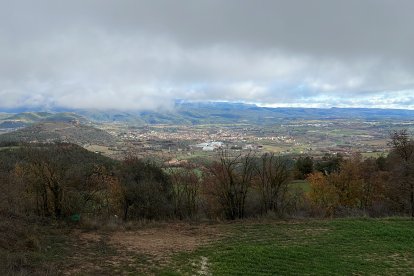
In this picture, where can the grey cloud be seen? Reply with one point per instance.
(326, 26)
(144, 54)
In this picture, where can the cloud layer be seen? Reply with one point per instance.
(145, 54)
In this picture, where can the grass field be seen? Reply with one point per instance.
(251, 247)
(302, 184)
(337, 247)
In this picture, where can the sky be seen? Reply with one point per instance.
(144, 55)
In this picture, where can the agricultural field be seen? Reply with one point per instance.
(354, 246)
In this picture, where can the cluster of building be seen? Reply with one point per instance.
(210, 146)
(200, 134)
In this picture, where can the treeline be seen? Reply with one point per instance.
(374, 186)
(64, 181)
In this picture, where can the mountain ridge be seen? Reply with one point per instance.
(208, 113)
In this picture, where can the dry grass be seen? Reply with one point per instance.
(139, 248)
(24, 246)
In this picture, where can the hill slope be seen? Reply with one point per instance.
(60, 131)
(27, 118)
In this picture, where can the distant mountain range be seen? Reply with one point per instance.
(204, 113)
(230, 113)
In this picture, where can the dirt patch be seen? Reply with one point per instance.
(89, 237)
(163, 241)
(136, 251)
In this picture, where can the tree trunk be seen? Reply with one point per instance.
(412, 199)
(126, 207)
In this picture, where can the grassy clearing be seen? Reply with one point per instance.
(273, 148)
(305, 247)
(98, 148)
(302, 184)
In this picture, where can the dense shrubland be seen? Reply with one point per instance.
(61, 181)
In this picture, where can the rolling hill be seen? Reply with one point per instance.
(60, 132)
(28, 118)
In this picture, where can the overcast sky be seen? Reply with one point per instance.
(132, 54)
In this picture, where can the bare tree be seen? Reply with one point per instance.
(56, 185)
(231, 177)
(46, 178)
(186, 185)
(402, 144)
(274, 176)
(403, 147)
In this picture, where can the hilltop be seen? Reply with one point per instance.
(23, 119)
(60, 131)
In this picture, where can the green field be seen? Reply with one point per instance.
(250, 247)
(337, 247)
(301, 184)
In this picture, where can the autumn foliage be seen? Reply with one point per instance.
(62, 180)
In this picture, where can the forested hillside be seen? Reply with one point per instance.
(71, 132)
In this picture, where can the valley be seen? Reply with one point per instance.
(187, 133)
